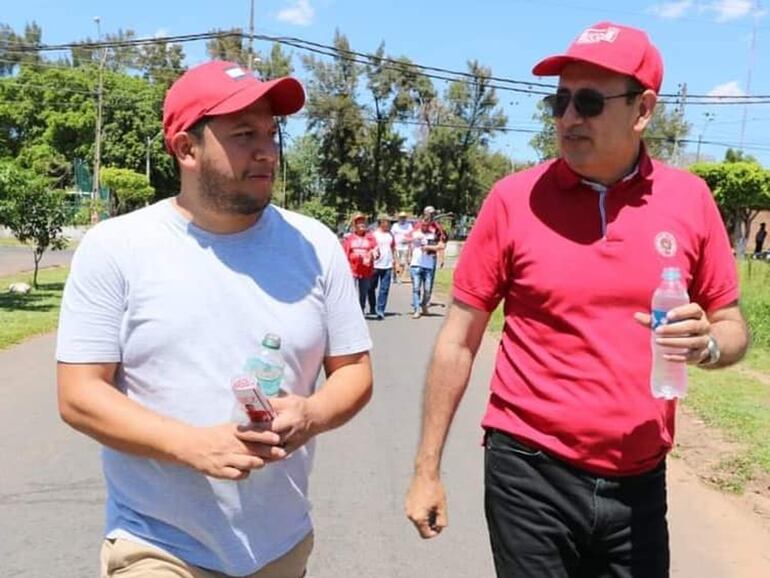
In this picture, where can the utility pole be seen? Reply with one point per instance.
(680, 104)
(98, 137)
(752, 57)
(251, 36)
(708, 117)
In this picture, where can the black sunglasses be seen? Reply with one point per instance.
(588, 102)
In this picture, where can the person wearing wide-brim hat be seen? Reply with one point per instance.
(360, 248)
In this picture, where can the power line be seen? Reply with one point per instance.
(438, 73)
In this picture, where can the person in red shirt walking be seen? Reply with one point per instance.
(575, 443)
(361, 250)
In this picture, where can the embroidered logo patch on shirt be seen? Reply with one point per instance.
(665, 244)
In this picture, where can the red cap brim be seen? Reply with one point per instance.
(285, 94)
(553, 65)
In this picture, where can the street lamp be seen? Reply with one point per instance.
(708, 117)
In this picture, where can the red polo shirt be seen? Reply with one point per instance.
(573, 265)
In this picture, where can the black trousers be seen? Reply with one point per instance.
(548, 519)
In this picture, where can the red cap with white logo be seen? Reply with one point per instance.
(220, 87)
(612, 46)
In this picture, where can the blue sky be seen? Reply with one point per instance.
(705, 43)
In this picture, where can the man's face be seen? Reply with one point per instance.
(359, 226)
(238, 157)
(598, 147)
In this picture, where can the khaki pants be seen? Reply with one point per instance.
(125, 559)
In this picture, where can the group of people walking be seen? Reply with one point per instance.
(380, 257)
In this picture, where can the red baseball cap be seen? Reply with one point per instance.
(220, 87)
(612, 46)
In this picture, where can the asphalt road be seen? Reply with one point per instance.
(51, 491)
(18, 259)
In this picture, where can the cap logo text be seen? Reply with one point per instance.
(235, 72)
(596, 35)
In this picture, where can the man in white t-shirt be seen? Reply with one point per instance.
(424, 245)
(384, 267)
(164, 306)
(401, 230)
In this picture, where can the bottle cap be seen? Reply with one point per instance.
(671, 274)
(272, 341)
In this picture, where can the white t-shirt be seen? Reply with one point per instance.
(421, 258)
(401, 233)
(385, 246)
(182, 310)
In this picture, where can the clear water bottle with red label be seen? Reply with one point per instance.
(668, 379)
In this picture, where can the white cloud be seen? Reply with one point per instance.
(300, 13)
(672, 10)
(161, 33)
(727, 10)
(727, 89)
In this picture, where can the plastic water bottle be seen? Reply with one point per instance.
(269, 365)
(668, 378)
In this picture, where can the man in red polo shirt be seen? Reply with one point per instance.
(575, 442)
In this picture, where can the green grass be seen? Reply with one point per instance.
(10, 242)
(22, 316)
(13, 242)
(443, 284)
(739, 405)
(755, 300)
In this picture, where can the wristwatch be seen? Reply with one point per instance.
(714, 353)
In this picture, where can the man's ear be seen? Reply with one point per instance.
(645, 108)
(185, 148)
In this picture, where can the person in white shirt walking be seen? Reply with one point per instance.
(384, 267)
(424, 245)
(401, 230)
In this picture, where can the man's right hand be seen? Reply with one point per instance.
(217, 452)
(426, 505)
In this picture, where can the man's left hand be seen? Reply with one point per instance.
(687, 329)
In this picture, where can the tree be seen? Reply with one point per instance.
(161, 62)
(120, 57)
(303, 176)
(19, 49)
(337, 120)
(665, 130)
(737, 156)
(544, 142)
(32, 212)
(446, 165)
(131, 190)
(228, 45)
(276, 65)
(316, 209)
(741, 189)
